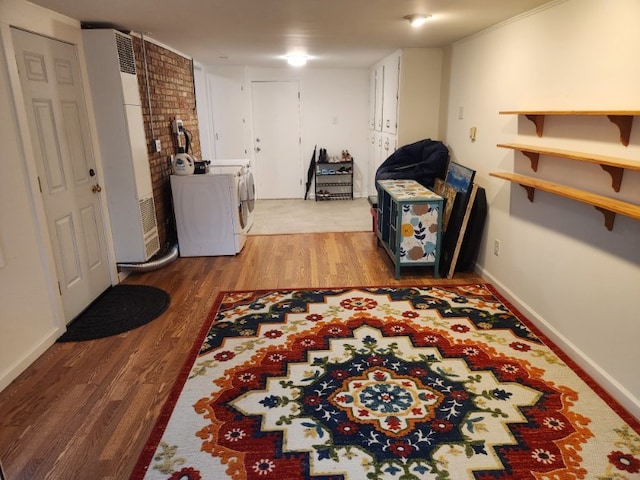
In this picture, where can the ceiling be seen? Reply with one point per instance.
(333, 33)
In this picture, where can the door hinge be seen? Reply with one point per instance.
(300, 140)
(39, 184)
(59, 289)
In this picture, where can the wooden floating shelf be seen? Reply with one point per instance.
(609, 207)
(623, 119)
(612, 165)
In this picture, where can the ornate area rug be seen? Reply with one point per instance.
(384, 383)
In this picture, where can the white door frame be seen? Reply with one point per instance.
(29, 164)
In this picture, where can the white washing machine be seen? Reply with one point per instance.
(211, 218)
(248, 180)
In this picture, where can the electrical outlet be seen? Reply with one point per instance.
(178, 126)
(496, 247)
(157, 144)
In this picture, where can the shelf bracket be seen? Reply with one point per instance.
(609, 217)
(616, 175)
(530, 191)
(534, 157)
(624, 123)
(538, 121)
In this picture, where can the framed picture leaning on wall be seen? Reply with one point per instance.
(459, 177)
(451, 199)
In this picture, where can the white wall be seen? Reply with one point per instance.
(420, 95)
(333, 109)
(557, 260)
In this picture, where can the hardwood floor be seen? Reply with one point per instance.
(85, 410)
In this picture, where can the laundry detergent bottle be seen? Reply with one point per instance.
(183, 164)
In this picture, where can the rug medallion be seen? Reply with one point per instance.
(385, 383)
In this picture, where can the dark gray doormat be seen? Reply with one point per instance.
(119, 309)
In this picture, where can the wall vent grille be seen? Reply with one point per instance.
(125, 54)
(147, 214)
(151, 246)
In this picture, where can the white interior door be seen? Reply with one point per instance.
(228, 98)
(56, 109)
(276, 129)
(203, 109)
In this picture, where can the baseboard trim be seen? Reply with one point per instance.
(13, 371)
(623, 396)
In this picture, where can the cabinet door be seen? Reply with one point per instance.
(372, 99)
(388, 145)
(394, 225)
(380, 147)
(378, 150)
(379, 96)
(384, 214)
(420, 232)
(390, 93)
(374, 156)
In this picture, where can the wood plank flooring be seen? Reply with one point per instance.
(85, 410)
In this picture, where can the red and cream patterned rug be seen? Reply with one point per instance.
(384, 383)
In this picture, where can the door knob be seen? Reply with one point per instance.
(96, 188)
(92, 172)
(258, 149)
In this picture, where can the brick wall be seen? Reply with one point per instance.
(171, 94)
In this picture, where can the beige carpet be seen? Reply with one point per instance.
(308, 216)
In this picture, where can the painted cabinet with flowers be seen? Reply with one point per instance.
(409, 224)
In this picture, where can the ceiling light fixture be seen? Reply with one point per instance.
(417, 19)
(297, 60)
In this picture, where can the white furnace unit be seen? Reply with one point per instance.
(123, 146)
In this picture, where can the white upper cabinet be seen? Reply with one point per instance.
(391, 66)
(378, 79)
(406, 87)
(405, 102)
(372, 99)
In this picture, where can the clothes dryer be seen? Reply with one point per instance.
(210, 217)
(248, 179)
(245, 197)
